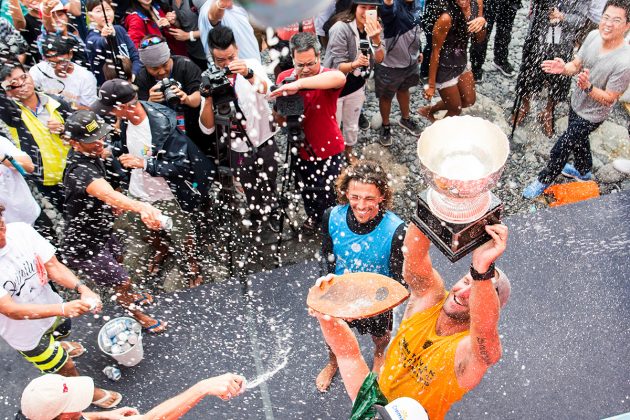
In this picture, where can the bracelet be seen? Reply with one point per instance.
(79, 284)
(63, 311)
(482, 276)
(191, 36)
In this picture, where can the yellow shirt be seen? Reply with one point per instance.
(421, 364)
(52, 148)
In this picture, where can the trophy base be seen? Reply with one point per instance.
(455, 240)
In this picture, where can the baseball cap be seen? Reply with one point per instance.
(403, 408)
(85, 127)
(56, 43)
(113, 92)
(50, 395)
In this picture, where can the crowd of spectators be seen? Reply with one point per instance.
(126, 118)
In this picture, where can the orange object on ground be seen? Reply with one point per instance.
(356, 295)
(572, 192)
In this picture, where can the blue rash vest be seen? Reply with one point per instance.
(355, 252)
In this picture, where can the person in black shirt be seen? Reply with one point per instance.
(90, 245)
(362, 235)
(159, 64)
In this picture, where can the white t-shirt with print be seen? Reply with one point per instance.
(255, 107)
(15, 195)
(141, 184)
(24, 279)
(78, 87)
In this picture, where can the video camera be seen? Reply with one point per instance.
(171, 99)
(364, 47)
(215, 84)
(292, 108)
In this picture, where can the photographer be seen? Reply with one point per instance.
(350, 51)
(321, 154)
(256, 169)
(183, 75)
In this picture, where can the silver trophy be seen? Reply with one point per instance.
(461, 159)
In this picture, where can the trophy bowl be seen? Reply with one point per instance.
(462, 159)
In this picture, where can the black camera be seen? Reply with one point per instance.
(292, 108)
(364, 47)
(171, 99)
(215, 84)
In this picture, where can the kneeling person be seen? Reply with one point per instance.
(361, 234)
(90, 245)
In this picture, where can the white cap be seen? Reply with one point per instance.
(403, 408)
(50, 395)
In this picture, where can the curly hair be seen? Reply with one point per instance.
(367, 172)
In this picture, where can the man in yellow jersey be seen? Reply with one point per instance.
(446, 340)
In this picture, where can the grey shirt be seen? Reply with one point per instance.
(609, 71)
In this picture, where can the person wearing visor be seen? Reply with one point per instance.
(159, 64)
(167, 170)
(446, 341)
(56, 20)
(54, 397)
(58, 75)
(90, 245)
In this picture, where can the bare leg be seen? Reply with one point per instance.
(327, 374)
(385, 107)
(403, 102)
(69, 369)
(522, 111)
(351, 158)
(195, 278)
(466, 86)
(125, 298)
(546, 118)
(380, 344)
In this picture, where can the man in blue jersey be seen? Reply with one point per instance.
(361, 234)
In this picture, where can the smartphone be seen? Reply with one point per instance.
(371, 14)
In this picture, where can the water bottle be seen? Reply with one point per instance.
(112, 372)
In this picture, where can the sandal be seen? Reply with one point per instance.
(156, 328)
(142, 299)
(73, 349)
(110, 400)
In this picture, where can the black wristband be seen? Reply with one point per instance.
(482, 276)
(589, 89)
(250, 74)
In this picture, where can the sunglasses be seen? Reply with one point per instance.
(151, 41)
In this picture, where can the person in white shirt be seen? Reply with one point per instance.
(252, 156)
(58, 75)
(15, 195)
(34, 318)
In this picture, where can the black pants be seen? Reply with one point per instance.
(257, 174)
(317, 179)
(574, 140)
(501, 12)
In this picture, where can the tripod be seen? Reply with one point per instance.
(227, 215)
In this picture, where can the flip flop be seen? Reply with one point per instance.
(155, 328)
(73, 346)
(144, 299)
(103, 402)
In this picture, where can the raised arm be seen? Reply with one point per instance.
(425, 284)
(217, 10)
(482, 348)
(19, 22)
(333, 79)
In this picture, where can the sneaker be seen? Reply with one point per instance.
(505, 68)
(409, 125)
(478, 75)
(386, 135)
(364, 123)
(570, 172)
(622, 165)
(534, 189)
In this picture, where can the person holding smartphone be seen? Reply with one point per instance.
(354, 27)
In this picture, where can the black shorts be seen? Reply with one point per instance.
(388, 80)
(377, 326)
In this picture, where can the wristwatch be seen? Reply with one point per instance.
(250, 74)
(477, 276)
(589, 89)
